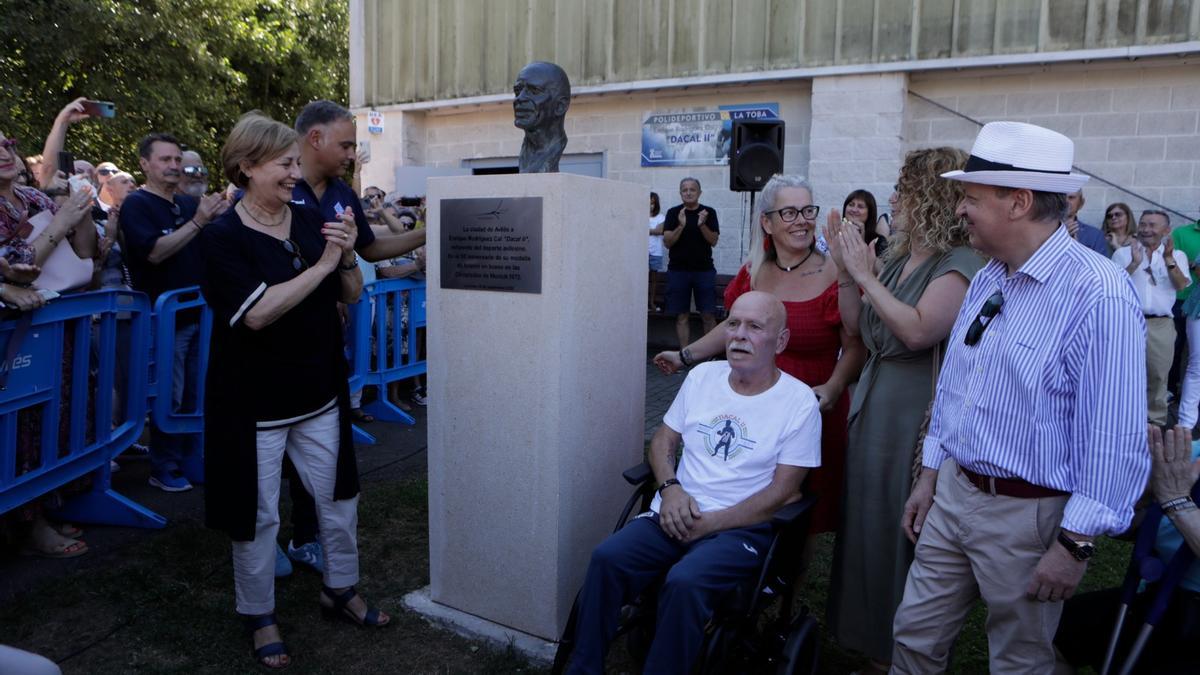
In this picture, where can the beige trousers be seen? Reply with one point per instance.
(312, 446)
(1160, 352)
(975, 544)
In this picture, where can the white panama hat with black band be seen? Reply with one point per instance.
(1019, 155)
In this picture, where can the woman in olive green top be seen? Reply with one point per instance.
(903, 315)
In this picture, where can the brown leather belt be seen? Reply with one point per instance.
(1009, 487)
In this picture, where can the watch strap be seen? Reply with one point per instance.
(666, 484)
(1081, 551)
(1178, 504)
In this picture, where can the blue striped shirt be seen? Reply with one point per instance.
(1055, 391)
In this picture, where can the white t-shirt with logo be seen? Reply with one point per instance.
(731, 442)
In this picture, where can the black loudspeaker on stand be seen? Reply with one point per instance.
(755, 154)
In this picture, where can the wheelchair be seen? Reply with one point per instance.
(741, 636)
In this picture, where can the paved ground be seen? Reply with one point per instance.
(400, 452)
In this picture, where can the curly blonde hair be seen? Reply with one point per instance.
(925, 213)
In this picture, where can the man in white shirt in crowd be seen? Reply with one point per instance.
(1157, 271)
(750, 432)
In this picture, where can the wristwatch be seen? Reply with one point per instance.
(666, 484)
(347, 268)
(1080, 550)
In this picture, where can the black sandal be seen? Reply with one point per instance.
(256, 623)
(340, 610)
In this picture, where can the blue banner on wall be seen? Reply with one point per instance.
(696, 137)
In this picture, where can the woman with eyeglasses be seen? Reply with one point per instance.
(785, 261)
(274, 273)
(1119, 226)
(904, 313)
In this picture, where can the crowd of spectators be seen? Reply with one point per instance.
(153, 237)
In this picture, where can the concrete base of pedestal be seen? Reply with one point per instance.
(536, 400)
(534, 648)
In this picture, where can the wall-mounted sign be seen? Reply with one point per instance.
(374, 122)
(696, 137)
(492, 244)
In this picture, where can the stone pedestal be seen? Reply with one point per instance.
(536, 402)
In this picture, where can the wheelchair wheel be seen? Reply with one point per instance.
(717, 657)
(802, 649)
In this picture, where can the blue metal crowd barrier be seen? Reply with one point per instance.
(397, 353)
(167, 309)
(379, 350)
(41, 452)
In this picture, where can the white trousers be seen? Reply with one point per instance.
(312, 446)
(1190, 399)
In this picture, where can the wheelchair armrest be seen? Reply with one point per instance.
(636, 475)
(792, 512)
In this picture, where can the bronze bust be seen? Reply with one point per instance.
(542, 94)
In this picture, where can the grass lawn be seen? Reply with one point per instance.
(166, 605)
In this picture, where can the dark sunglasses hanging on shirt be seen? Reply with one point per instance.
(982, 320)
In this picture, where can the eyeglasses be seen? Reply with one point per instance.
(178, 213)
(988, 312)
(1153, 281)
(788, 214)
(107, 172)
(195, 171)
(298, 263)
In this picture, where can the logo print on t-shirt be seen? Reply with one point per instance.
(725, 437)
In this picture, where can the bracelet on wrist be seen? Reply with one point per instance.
(847, 284)
(666, 484)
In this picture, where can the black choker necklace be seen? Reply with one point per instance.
(789, 269)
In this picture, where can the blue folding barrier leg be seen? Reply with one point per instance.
(104, 506)
(383, 409)
(361, 437)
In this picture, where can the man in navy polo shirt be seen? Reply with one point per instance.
(327, 148)
(159, 227)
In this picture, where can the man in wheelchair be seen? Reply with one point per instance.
(750, 433)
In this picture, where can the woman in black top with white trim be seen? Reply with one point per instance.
(274, 274)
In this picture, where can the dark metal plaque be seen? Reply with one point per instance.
(492, 244)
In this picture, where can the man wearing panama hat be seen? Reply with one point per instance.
(1037, 442)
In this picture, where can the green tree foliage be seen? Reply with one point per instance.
(189, 67)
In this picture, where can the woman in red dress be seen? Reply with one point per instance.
(784, 261)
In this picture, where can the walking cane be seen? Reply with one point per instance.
(1146, 566)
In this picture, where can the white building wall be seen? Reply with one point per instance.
(1134, 123)
(610, 124)
(857, 136)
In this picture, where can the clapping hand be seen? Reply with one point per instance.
(211, 206)
(341, 232)
(702, 218)
(833, 228)
(1168, 247)
(1137, 252)
(857, 257)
